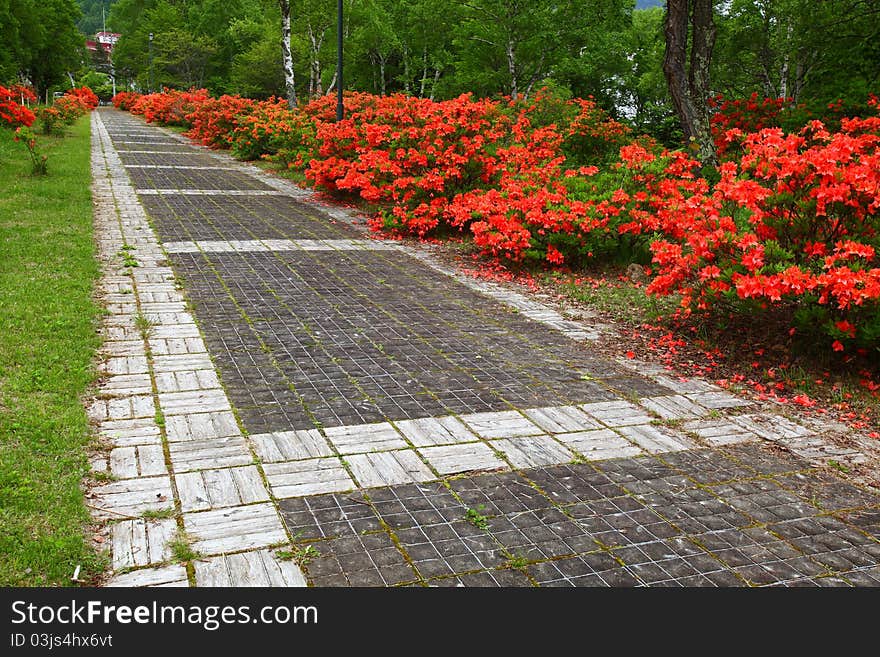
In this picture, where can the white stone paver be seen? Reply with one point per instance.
(201, 426)
(501, 424)
(425, 432)
(248, 569)
(142, 542)
(290, 445)
(208, 453)
(137, 461)
(365, 438)
(212, 489)
(771, 427)
(125, 433)
(453, 459)
(674, 407)
(718, 400)
(616, 413)
(131, 497)
(234, 529)
(719, 432)
(263, 246)
(533, 451)
(561, 419)
(185, 380)
(309, 477)
(193, 402)
(599, 445)
(174, 576)
(389, 468)
(654, 439)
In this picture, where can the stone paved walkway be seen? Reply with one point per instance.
(305, 405)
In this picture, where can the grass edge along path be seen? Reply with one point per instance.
(48, 339)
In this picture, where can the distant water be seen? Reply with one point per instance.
(644, 4)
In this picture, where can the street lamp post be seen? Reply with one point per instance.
(151, 62)
(340, 108)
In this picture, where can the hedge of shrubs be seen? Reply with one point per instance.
(789, 219)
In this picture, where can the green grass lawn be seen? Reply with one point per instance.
(48, 338)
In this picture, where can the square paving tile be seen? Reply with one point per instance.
(307, 477)
(533, 451)
(248, 569)
(501, 424)
(453, 459)
(389, 468)
(212, 489)
(235, 528)
(431, 431)
(290, 445)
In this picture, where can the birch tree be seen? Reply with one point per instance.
(286, 55)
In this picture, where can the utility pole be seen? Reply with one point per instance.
(151, 63)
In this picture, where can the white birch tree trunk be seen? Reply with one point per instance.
(286, 55)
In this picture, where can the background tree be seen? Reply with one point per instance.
(690, 38)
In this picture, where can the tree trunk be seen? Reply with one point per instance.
(381, 74)
(690, 88)
(407, 82)
(286, 56)
(434, 84)
(315, 42)
(511, 67)
(424, 71)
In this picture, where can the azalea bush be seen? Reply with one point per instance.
(13, 112)
(125, 100)
(793, 222)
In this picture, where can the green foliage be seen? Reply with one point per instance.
(39, 41)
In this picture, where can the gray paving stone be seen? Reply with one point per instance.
(673, 407)
(561, 419)
(388, 468)
(616, 413)
(719, 432)
(308, 477)
(142, 542)
(213, 489)
(172, 576)
(234, 529)
(137, 461)
(365, 438)
(454, 459)
(599, 445)
(290, 445)
(501, 424)
(248, 569)
(656, 440)
(208, 454)
(533, 451)
(429, 431)
(131, 497)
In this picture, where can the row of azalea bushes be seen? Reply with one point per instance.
(788, 220)
(16, 114)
